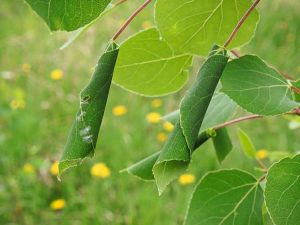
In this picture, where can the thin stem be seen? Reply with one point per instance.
(235, 53)
(119, 2)
(250, 117)
(295, 89)
(237, 120)
(128, 21)
(262, 178)
(240, 23)
(262, 165)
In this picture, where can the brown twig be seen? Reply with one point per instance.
(262, 178)
(237, 120)
(235, 53)
(250, 117)
(295, 89)
(240, 23)
(128, 21)
(262, 165)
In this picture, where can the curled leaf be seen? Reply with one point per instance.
(84, 132)
(176, 154)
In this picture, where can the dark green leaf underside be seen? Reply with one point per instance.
(84, 132)
(68, 15)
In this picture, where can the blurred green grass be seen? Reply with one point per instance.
(36, 133)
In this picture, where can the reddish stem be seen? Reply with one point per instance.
(128, 21)
(295, 89)
(240, 23)
(237, 120)
(120, 2)
(235, 53)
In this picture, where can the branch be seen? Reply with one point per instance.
(295, 89)
(240, 23)
(119, 2)
(237, 120)
(251, 117)
(128, 21)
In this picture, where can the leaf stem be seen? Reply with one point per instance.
(250, 117)
(128, 21)
(240, 23)
(295, 89)
(237, 120)
(119, 2)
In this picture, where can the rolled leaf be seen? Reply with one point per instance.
(296, 94)
(176, 154)
(222, 144)
(247, 144)
(143, 168)
(83, 136)
(220, 110)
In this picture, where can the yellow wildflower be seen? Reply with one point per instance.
(186, 179)
(146, 24)
(54, 168)
(153, 117)
(100, 170)
(26, 67)
(262, 154)
(56, 74)
(298, 69)
(156, 103)
(168, 126)
(119, 110)
(28, 168)
(17, 104)
(58, 204)
(161, 137)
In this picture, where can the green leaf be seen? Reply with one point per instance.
(220, 110)
(282, 191)
(226, 197)
(74, 35)
(193, 26)
(68, 15)
(143, 168)
(195, 103)
(222, 144)
(84, 132)
(247, 145)
(297, 85)
(256, 87)
(173, 160)
(176, 154)
(147, 65)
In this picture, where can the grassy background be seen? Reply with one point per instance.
(36, 134)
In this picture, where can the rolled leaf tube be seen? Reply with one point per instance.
(222, 144)
(85, 129)
(176, 154)
(143, 168)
